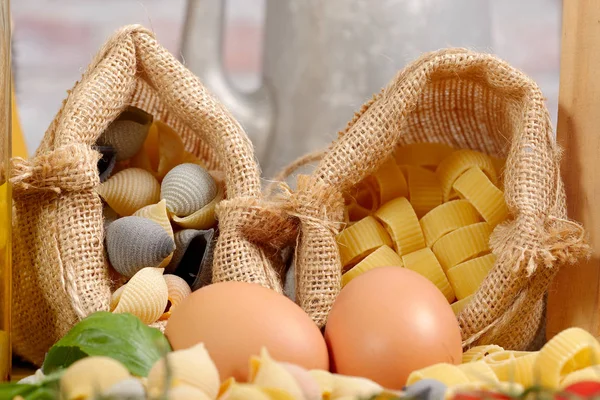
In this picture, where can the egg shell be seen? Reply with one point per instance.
(389, 322)
(235, 320)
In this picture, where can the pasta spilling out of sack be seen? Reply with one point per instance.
(431, 208)
(570, 357)
(160, 206)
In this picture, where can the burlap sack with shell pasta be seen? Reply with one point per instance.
(60, 271)
(467, 100)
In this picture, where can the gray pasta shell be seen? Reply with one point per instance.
(133, 243)
(192, 258)
(127, 133)
(109, 215)
(130, 389)
(107, 163)
(187, 188)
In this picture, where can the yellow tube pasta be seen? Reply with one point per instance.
(466, 277)
(460, 305)
(446, 218)
(424, 262)
(382, 257)
(514, 366)
(499, 164)
(390, 182)
(424, 190)
(448, 374)
(359, 240)
(479, 352)
(428, 155)
(478, 371)
(588, 374)
(402, 224)
(462, 244)
(457, 163)
(571, 350)
(356, 212)
(475, 186)
(365, 194)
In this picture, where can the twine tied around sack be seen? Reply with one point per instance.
(257, 219)
(68, 168)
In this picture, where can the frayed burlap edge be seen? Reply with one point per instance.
(531, 246)
(60, 272)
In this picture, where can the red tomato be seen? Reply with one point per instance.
(583, 389)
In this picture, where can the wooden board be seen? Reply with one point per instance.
(574, 299)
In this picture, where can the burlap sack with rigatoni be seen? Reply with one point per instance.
(468, 100)
(60, 271)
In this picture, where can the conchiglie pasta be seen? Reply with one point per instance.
(192, 367)
(186, 392)
(187, 188)
(171, 150)
(267, 373)
(145, 295)
(232, 390)
(178, 290)
(127, 133)
(159, 214)
(129, 190)
(204, 218)
(78, 383)
(133, 243)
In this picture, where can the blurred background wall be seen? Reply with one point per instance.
(54, 40)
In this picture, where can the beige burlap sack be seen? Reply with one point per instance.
(60, 273)
(467, 100)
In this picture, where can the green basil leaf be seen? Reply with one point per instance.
(11, 390)
(120, 336)
(43, 393)
(45, 390)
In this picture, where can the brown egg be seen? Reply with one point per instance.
(389, 322)
(235, 320)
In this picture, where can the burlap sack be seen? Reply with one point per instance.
(60, 273)
(467, 100)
